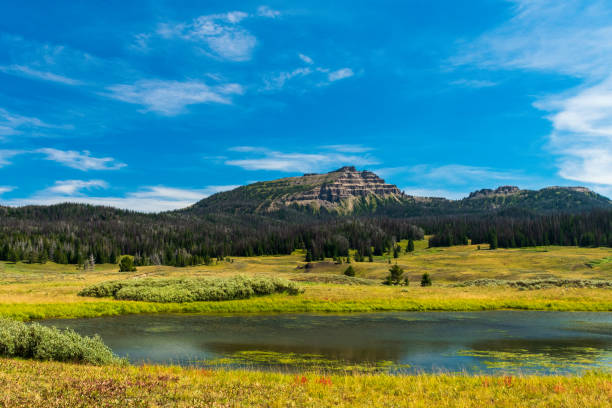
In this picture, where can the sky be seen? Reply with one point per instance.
(154, 105)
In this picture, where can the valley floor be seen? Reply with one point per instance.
(35, 291)
(48, 384)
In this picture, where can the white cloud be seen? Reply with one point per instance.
(23, 70)
(298, 162)
(13, 124)
(306, 59)
(6, 189)
(80, 160)
(147, 199)
(462, 174)
(171, 97)
(222, 33)
(265, 11)
(6, 155)
(474, 83)
(71, 187)
(434, 192)
(340, 74)
(277, 81)
(571, 38)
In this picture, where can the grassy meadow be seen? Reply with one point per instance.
(34, 291)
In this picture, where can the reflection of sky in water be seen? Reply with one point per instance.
(431, 341)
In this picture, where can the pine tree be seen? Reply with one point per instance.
(410, 246)
(349, 271)
(425, 280)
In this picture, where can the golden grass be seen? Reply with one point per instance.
(48, 384)
(50, 290)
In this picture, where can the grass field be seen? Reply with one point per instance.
(31, 291)
(34, 291)
(48, 384)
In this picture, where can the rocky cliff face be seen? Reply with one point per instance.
(345, 184)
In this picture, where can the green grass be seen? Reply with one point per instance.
(49, 384)
(290, 304)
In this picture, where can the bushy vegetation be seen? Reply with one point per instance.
(18, 339)
(396, 276)
(190, 290)
(539, 283)
(334, 279)
(425, 280)
(126, 264)
(350, 271)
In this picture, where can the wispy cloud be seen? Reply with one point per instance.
(459, 174)
(572, 38)
(294, 162)
(171, 97)
(6, 155)
(23, 70)
(80, 160)
(265, 11)
(474, 83)
(306, 59)
(278, 80)
(14, 124)
(434, 192)
(146, 199)
(72, 187)
(340, 74)
(221, 33)
(6, 189)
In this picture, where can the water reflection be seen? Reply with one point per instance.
(542, 342)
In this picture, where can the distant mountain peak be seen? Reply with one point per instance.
(501, 190)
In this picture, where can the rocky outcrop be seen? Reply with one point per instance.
(345, 184)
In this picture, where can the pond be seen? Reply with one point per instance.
(399, 342)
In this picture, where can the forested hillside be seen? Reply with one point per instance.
(324, 214)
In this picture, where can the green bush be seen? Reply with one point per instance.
(33, 341)
(426, 280)
(190, 290)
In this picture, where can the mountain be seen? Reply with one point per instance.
(348, 191)
(326, 214)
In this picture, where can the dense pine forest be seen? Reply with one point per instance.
(75, 233)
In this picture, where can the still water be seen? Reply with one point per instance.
(472, 342)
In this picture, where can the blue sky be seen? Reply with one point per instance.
(154, 105)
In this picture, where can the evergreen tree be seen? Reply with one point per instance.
(410, 246)
(425, 280)
(349, 271)
(395, 275)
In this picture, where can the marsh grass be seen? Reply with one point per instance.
(51, 384)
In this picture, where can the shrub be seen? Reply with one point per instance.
(33, 341)
(425, 280)
(534, 284)
(127, 264)
(349, 271)
(190, 290)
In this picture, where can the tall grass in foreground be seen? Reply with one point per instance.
(50, 384)
(190, 290)
(38, 342)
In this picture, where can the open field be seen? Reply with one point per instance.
(30, 291)
(49, 384)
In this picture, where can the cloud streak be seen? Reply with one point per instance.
(294, 162)
(170, 98)
(80, 160)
